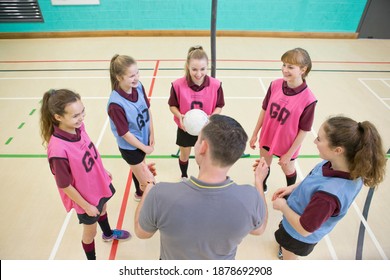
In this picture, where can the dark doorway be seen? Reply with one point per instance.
(375, 21)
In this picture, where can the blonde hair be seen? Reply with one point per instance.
(118, 67)
(300, 57)
(362, 145)
(54, 102)
(195, 52)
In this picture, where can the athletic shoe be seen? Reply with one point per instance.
(137, 197)
(280, 253)
(117, 234)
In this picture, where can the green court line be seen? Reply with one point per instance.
(119, 156)
(9, 140)
(32, 111)
(21, 125)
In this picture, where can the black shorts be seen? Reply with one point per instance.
(291, 244)
(88, 220)
(132, 157)
(267, 149)
(184, 139)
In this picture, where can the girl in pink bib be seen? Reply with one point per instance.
(196, 90)
(83, 183)
(287, 114)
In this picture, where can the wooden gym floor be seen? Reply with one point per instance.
(350, 77)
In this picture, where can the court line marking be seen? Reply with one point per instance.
(370, 232)
(125, 199)
(361, 80)
(60, 235)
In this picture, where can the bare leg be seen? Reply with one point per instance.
(89, 233)
(287, 255)
(268, 157)
(143, 174)
(289, 168)
(184, 153)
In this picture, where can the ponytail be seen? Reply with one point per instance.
(195, 52)
(46, 121)
(54, 102)
(118, 67)
(370, 160)
(363, 148)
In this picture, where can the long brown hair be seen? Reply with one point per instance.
(363, 147)
(54, 102)
(118, 67)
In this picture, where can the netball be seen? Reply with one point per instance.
(194, 120)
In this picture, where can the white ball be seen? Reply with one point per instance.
(194, 120)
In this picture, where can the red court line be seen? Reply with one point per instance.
(153, 79)
(114, 246)
(115, 243)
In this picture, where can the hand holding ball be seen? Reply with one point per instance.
(194, 120)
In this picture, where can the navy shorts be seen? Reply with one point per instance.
(267, 149)
(291, 244)
(132, 157)
(184, 139)
(88, 220)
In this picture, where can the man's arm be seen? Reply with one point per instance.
(261, 171)
(139, 231)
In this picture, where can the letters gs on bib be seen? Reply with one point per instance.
(142, 118)
(89, 159)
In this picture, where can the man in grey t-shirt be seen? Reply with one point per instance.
(208, 216)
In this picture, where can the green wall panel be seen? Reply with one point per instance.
(249, 15)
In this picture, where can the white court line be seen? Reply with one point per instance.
(263, 86)
(102, 133)
(60, 235)
(370, 232)
(373, 92)
(386, 83)
(69, 214)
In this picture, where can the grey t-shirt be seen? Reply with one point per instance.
(200, 221)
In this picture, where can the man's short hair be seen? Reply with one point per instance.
(227, 139)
